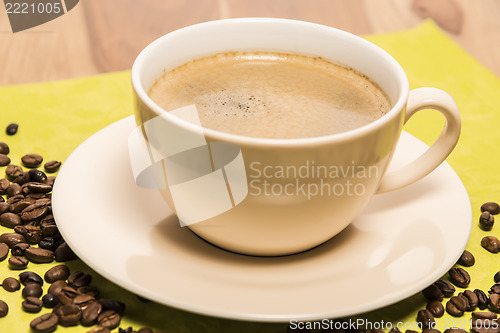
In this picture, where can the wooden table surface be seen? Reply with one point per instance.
(99, 36)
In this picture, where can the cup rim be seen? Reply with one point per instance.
(217, 135)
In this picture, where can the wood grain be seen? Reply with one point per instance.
(102, 36)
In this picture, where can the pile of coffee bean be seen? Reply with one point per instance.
(36, 239)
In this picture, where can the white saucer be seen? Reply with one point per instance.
(404, 241)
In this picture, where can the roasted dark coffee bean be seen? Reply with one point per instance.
(38, 255)
(34, 212)
(10, 220)
(16, 262)
(4, 184)
(483, 315)
(19, 249)
(11, 284)
(32, 304)
(12, 238)
(4, 207)
(79, 279)
(482, 299)
(18, 207)
(491, 207)
(496, 277)
(99, 329)
(486, 221)
(456, 306)
(30, 277)
(88, 290)
(64, 253)
(109, 319)
(52, 166)
(56, 287)
(12, 129)
(4, 251)
(69, 314)
(50, 180)
(22, 179)
(491, 243)
(32, 233)
(2, 199)
(12, 171)
(425, 318)
(494, 303)
(459, 277)
(13, 190)
(4, 148)
(4, 160)
(59, 272)
(83, 300)
(49, 301)
(466, 259)
(66, 295)
(48, 243)
(32, 290)
(50, 231)
(433, 292)
(4, 309)
(108, 304)
(46, 323)
(436, 308)
(37, 175)
(14, 199)
(495, 289)
(39, 187)
(32, 160)
(472, 300)
(90, 313)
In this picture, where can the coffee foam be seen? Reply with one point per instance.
(272, 95)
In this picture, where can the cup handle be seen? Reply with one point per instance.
(419, 99)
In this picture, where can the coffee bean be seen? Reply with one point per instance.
(18, 207)
(32, 304)
(64, 253)
(52, 166)
(4, 148)
(472, 300)
(37, 175)
(32, 233)
(49, 301)
(486, 220)
(46, 323)
(466, 259)
(131, 330)
(495, 289)
(483, 315)
(436, 308)
(32, 160)
(30, 277)
(491, 207)
(12, 171)
(38, 255)
(11, 284)
(99, 329)
(108, 304)
(32, 290)
(91, 313)
(57, 287)
(16, 262)
(4, 184)
(59, 272)
(66, 295)
(425, 318)
(83, 300)
(433, 292)
(50, 230)
(11, 129)
(4, 160)
(4, 309)
(19, 249)
(482, 299)
(48, 243)
(491, 243)
(34, 212)
(22, 179)
(109, 319)
(88, 290)
(456, 306)
(13, 190)
(39, 188)
(79, 279)
(455, 330)
(10, 220)
(50, 180)
(4, 251)
(459, 277)
(494, 303)
(4, 207)
(69, 314)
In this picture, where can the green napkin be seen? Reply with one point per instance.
(55, 117)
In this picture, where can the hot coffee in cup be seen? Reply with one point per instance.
(269, 136)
